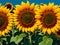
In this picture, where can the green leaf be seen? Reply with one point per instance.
(18, 38)
(49, 41)
(46, 41)
(40, 34)
(45, 38)
(4, 39)
(13, 31)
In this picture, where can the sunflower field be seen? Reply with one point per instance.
(29, 24)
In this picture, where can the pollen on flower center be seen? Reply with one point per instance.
(27, 19)
(49, 20)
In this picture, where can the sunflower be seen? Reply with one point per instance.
(49, 18)
(5, 21)
(24, 17)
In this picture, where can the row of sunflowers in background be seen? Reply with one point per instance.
(29, 24)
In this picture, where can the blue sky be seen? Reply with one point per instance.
(14, 2)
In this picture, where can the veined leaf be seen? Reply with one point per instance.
(18, 38)
(46, 41)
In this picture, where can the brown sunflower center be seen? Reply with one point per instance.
(49, 19)
(27, 19)
(3, 22)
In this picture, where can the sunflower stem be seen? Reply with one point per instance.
(30, 39)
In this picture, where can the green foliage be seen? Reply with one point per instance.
(18, 38)
(3, 38)
(46, 41)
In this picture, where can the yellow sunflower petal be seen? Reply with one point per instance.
(23, 4)
(44, 30)
(49, 31)
(27, 4)
(32, 6)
